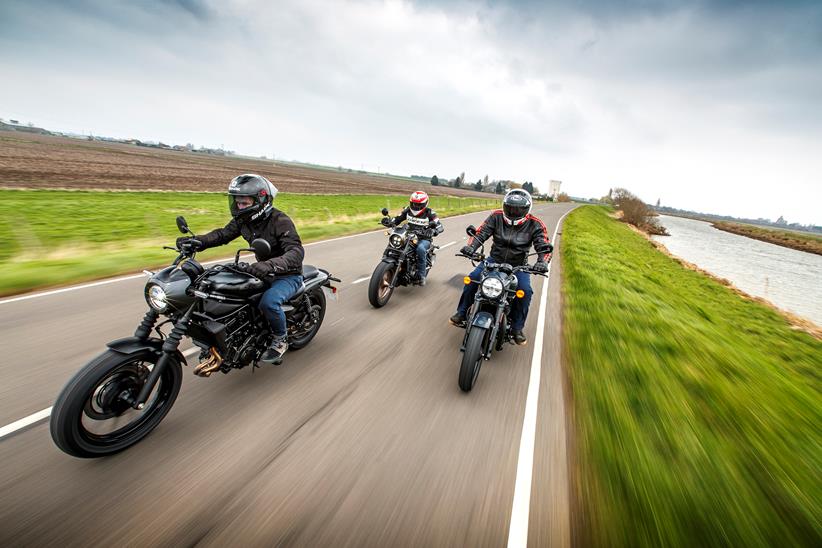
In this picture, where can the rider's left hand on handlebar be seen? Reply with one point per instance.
(386, 221)
(467, 250)
(540, 267)
(189, 241)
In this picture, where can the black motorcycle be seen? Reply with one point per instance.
(122, 395)
(487, 327)
(399, 260)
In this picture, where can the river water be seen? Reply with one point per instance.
(790, 279)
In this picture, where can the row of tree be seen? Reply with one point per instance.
(484, 185)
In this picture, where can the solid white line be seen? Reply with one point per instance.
(44, 414)
(521, 507)
(135, 276)
(360, 280)
(22, 423)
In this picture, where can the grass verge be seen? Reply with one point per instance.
(697, 412)
(50, 238)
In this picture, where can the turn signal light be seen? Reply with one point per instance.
(466, 280)
(520, 293)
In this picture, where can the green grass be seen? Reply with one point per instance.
(698, 414)
(56, 237)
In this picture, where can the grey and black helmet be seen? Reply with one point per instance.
(516, 206)
(256, 187)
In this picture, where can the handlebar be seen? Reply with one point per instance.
(505, 267)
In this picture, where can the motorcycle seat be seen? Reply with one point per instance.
(310, 272)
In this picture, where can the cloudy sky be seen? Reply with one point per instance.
(708, 105)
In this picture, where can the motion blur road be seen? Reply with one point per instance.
(361, 439)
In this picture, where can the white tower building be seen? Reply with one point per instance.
(553, 189)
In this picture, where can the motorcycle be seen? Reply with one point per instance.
(120, 396)
(399, 260)
(487, 327)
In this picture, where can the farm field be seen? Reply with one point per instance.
(41, 161)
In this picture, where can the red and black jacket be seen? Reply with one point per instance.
(513, 242)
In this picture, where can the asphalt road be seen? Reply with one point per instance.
(361, 439)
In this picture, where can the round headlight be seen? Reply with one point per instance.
(395, 240)
(491, 287)
(156, 297)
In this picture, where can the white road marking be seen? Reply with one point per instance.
(24, 422)
(45, 413)
(446, 245)
(521, 508)
(135, 276)
(360, 280)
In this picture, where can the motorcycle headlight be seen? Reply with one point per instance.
(491, 287)
(396, 240)
(156, 297)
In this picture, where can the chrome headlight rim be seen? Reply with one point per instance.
(491, 287)
(396, 240)
(156, 297)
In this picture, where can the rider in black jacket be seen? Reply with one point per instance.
(514, 231)
(424, 222)
(253, 216)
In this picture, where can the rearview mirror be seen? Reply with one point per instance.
(384, 212)
(182, 224)
(262, 249)
(471, 230)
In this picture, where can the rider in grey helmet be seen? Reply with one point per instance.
(514, 231)
(250, 200)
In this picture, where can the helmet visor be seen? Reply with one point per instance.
(418, 206)
(516, 211)
(239, 204)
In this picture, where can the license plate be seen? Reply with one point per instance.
(330, 292)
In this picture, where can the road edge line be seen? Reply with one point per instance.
(521, 505)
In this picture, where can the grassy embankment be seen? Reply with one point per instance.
(57, 237)
(786, 238)
(697, 412)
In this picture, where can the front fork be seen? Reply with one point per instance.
(169, 350)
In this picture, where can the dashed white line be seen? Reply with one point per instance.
(45, 413)
(446, 245)
(521, 507)
(360, 280)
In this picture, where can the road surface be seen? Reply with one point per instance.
(361, 439)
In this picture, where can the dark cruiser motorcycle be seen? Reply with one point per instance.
(399, 260)
(486, 326)
(122, 395)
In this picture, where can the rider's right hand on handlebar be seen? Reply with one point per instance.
(468, 250)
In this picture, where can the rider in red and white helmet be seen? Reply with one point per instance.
(424, 222)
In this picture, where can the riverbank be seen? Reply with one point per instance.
(786, 238)
(695, 410)
(51, 238)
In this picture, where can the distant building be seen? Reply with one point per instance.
(553, 189)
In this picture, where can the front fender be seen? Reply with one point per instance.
(483, 320)
(130, 345)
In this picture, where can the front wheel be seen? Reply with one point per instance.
(379, 288)
(472, 358)
(92, 418)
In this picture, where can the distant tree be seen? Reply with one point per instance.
(485, 181)
(457, 182)
(499, 188)
(781, 221)
(658, 200)
(478, 185)
(435, 181)
(563, 197)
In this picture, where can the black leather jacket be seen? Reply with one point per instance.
(418, 223)
(513, 242)
(278, 230)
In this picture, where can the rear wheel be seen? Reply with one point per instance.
(379, 288)
(472, 358)
(303, 337)
(92, 418)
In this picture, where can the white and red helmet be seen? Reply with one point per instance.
(418, 203)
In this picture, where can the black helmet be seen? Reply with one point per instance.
(261, 193)
(516, 206)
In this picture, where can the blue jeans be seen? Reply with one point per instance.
(519, 308)
(422, 252)
(271, 302)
